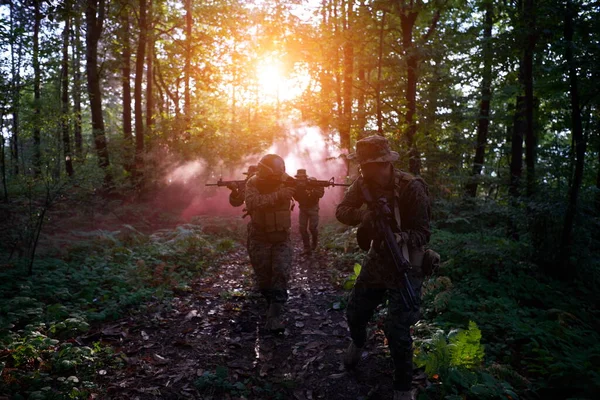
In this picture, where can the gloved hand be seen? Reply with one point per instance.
(286, 193)
(401, 238)
(367, 219)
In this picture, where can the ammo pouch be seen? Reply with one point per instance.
(431, 262)
(272, 220)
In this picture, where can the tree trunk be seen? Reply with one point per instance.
(126, 68)
(407, 22)
(379, 72)
(65, 93)
(530, 139)
(94, 14)
(348, 50)
(150, 72)
(3, 159)
(484, 107)
(15, 63)
(37, 155)
(77, 88)
(516, 159)
(139, 76)
(187, 69)
(578, 140)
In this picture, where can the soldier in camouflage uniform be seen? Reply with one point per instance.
(379, 278)
(238, 193)
(308, 202)
(268, 202)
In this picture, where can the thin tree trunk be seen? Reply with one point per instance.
(379, 72)
(94, 21)
(37, 155)
(65, 93)
(530, 139)
(139, 76)
(407, 21)
(78, 123)
(579, 143)
(484, 107)
(187, 69)
(3, 158)
(150, 72)
(348, 51)
(16, 91)
(516, 159)
(126, 70)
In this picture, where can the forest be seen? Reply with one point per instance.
(123, 276)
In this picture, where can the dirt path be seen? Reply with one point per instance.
(209, 343)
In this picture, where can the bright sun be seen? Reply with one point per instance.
(275, 85)
(270, 79)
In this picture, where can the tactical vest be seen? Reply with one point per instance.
(272, 219)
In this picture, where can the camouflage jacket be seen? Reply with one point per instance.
(309, 197)
(412, 202)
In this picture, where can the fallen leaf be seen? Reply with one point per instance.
(299, 324)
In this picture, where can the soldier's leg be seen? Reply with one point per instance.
(260, 258)
(362, 303)
(397, 331)
(303, 224)
(314, 228)
(281, 264)
(366, 295)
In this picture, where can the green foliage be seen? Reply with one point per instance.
(351, 279)
(454, 361)
(105, 273)
(460, 348)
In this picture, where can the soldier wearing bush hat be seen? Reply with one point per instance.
(379, 279)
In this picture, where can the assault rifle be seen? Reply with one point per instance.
(221, 183)
(383, 220)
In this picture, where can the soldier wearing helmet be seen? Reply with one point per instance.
(379, 279)
(268, 202)
(308, 202)
(238, 192)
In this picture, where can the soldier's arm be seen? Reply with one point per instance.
(348, 211)
(255, 200)
(418, 214)
(236, 197)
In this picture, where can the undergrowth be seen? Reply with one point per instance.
(104, 275)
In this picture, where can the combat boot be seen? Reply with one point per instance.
(352, 356)
(274, 323)
(404, 395)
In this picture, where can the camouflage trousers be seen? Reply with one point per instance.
(309, 222)
(377, 282)
(271, 261)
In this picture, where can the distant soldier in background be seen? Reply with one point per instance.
(308, 202)
(268, 202)
(238, 192)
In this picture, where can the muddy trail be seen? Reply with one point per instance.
(209, 343)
